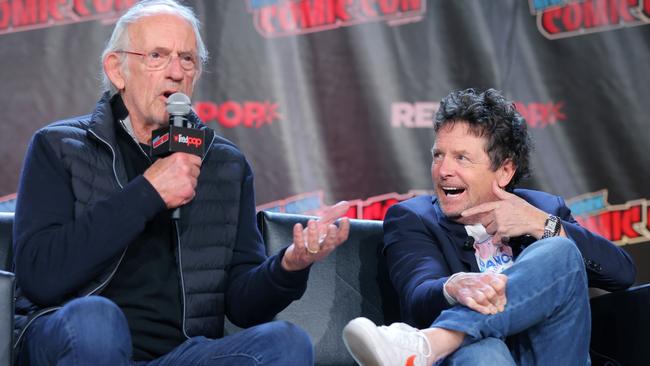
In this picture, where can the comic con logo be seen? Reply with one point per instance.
(623, 224)
(22, 15)
(230, 114)
(422, 114)
(568, 18)
(276, 18)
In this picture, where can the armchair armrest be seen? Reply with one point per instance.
(6, 317)
(619, 327)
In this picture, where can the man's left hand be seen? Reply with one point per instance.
(318, 239)
(508, 217)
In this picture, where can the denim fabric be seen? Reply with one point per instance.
(485, 352)
(86, 331)
(277, 343)
(93, 331)
(547, 318)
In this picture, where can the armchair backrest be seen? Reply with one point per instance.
(351, 282)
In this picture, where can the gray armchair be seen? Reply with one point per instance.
(350, 282)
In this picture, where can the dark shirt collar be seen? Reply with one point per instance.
(119, 109)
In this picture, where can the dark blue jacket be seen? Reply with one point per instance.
(77, 213)
(424, 248)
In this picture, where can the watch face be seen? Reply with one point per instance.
(551, 227)
(550, 224)
(556, 222)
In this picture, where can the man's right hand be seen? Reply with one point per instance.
(482, 292)
(175, 178)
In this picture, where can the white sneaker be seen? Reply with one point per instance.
(396, 345)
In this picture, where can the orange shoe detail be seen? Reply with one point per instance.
(410, 361)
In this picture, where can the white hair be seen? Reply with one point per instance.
(120, 41)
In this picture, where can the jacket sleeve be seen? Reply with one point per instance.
(57, 252)
(258, 287)
(417, 266)
(608, 266)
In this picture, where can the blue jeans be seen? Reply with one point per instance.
(547, 320)
(94, 331)
(484, 352)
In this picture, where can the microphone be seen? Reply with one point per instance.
(468, 244)
(178, 107)
(179, 136)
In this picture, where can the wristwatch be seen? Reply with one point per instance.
(552, 227)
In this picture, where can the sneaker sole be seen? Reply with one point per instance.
(358, 338)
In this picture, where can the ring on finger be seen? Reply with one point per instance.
(321, 239)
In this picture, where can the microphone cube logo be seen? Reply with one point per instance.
(171, 139)
(159, 140)
(188, 140)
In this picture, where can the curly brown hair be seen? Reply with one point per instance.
(490, 115)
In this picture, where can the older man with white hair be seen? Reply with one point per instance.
(107, 275)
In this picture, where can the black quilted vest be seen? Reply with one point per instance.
(208, 226)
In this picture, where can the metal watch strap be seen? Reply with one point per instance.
(551, 227)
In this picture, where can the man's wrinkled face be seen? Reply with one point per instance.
(145, 90)
(461, 169)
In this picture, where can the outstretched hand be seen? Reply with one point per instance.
(318, 239)
(508, 217)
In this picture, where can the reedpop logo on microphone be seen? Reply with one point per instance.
(188, 140)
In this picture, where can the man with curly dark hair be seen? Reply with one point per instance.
(487, 274)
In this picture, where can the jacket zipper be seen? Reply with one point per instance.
(110, 276)
(38, 315)
(180, 262)
(180, 273)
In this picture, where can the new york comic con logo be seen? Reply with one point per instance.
(623, 224)
(159, 140)
(23, 15)
(567, 18)
(276, 18)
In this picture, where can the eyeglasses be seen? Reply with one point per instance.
(159, 59)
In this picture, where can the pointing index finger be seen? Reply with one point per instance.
(482, 208)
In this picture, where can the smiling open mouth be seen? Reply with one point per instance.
(452, 191)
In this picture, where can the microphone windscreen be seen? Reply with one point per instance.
(178, 104)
